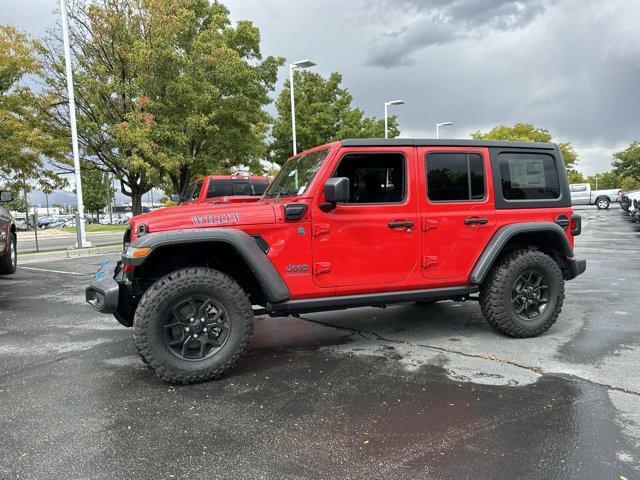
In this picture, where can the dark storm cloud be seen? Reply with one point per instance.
(433, 22)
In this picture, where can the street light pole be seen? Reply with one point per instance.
(292, 68)
(386, 115)
(443, 124)
(81, 235)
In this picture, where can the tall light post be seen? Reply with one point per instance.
(597, 175)
(443, 124)
(386, 114)
(81, 235)
(292, 67)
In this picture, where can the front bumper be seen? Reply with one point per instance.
(576, 267)
(110, 292)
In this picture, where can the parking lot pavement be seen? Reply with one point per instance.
(405, 392)
(51, 240)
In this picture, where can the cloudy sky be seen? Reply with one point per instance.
(571, 66)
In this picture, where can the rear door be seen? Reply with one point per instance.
(456, 210)
(372, 240)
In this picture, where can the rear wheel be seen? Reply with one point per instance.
(603, 203)
(9, 261)
(523, 295)
(193, 325)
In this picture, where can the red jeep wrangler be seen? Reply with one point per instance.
(350, 224)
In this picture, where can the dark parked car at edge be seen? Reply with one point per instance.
(8, 251)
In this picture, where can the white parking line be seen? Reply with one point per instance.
(54, 271)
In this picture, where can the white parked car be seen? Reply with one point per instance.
(581, 194)
(629, 203)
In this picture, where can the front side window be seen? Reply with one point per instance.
(578, 188)
(374, 177)
(529, 176)
(296, 175)
(455, 177)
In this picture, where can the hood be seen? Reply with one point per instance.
(205, 215)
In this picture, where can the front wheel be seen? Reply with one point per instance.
(193, 325)
(523, 295)
(603, 203)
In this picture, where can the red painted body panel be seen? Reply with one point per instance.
(351, 249)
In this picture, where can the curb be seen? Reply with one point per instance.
(26, 258)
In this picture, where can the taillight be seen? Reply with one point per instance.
(575, 225)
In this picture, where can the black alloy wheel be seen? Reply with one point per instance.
(197, 328)
(530, 295)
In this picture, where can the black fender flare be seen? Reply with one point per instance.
(270, 280)
(501, 238)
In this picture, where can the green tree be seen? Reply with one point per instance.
(526, 132)
(324, 113)
(576, 177)
(96, 189)
(24, 146)
(630, 183)
(626, 163)
(605, 180)
(164, 88)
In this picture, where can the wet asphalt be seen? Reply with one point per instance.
(405, 392)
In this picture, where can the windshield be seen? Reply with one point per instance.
(296, 175)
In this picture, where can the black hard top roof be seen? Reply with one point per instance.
(414, 142)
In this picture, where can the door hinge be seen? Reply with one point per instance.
(429, 261)
(429, 224)
(321, 229)
(321, 267)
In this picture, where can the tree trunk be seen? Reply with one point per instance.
(136, 201)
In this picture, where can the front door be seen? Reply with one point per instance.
(373, 239)
(456, 209)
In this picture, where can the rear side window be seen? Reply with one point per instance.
(455, 177)
(529, 176)
(220, 188)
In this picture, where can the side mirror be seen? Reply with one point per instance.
(336, 190)
(175, 198)
(6, 196)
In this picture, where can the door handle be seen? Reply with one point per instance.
(476, 221)
(400, 224)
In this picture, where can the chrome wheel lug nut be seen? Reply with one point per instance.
(202, 320)
(195, 335)
(187, 329)
(205, 330)
(191, 320)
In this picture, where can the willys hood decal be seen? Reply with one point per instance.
(207, 215)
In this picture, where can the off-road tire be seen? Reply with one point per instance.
(8, 264)
(603, 203)
(496, 291)
(151, 314)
